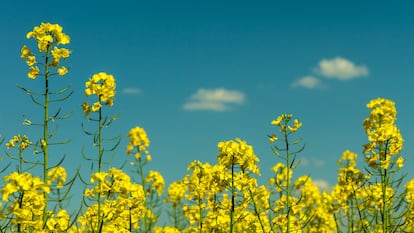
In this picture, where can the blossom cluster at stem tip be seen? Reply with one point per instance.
(48, 37)
(282, 122)
(103, 86)
(138, 139)
(385, 139)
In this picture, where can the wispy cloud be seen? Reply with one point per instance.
(131, 91)
(335, 68)
(322, 185)
(318, 163)
(341, 68)
(309, 82)
(219, 99)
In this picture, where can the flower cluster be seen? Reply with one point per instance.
(283, 176)
(157, 182)
(57, 174)
(59, 223)
(22, 142)
(138, 139)
(122, 207)
(237, 153)
(48, 36)
(25, 196)
(384, 137)
(282, 122)
(103, 86)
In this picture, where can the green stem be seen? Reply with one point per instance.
(200, 211)
(100, 139)
(20, 160)
(144, 185)
(351, 217)
(384, 201)
(44, 143)
(288, 207)
(384, 184)
(100, 146)
(256, 211)
(232, 197)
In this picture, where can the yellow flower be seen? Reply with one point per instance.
(296, 126)
(48, 33)
(43, 143)
(58, 53)
(385, 139)
(33, 72)
(31, 60)
(273, 138)
(237, 153)
(96, 106)
(400, 162)
(156, 180)
(103, 86)
(57, 174)
(23, 142)
(138, 138)
(48, 36)
(62, 71)
(86, 108)
(176, 191)
(25, 52)
(277, 121)
(11, 142)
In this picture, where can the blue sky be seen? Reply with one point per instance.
(194, 73)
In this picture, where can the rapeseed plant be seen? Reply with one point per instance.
(221, 197)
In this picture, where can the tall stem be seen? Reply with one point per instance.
(287, 182)
(232, 197)
(147, 223)
(384, 181)
(256, 210)
(100, 139)
(45, 140)
(100, 146)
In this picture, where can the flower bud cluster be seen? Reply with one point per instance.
(48, 36)
(103, 86)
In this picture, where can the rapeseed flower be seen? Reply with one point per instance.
(103, 86)
(48, 37)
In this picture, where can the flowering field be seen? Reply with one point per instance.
(221, 197)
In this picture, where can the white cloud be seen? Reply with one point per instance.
(308, 82)
(341, 68)
(318, 163)
(219, 99)
(322, 185)
(131, 91)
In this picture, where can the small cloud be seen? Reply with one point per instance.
(308, 82)
(341, 68)
(304, 162)
(322, 185)
(131, 91)
(219, 99)
(318, 163)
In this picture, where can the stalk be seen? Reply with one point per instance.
(232, 197)
(141, 173)
(100, 139)
(384, 181)
(45, 141)
(287, 182)
(256, 211)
